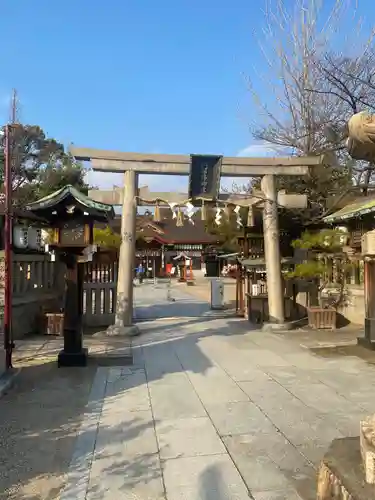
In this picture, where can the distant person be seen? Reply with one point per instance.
(140, 273)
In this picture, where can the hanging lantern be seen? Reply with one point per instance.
(20, 237)
(34, 237)
(180, 218)
(157, 217)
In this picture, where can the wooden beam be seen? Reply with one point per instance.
(113, 161)
(115, 197)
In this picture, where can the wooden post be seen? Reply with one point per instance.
(369, 291)
(73, 353)
(241, 294)
(238, 284)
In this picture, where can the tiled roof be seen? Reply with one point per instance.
(355, 209)
(62, 194)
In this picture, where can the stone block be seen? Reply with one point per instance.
(175, 398)
(341, 475)
(216, 387)
(188, 437)
(239, 418)
(210, 477)
(367, 444)
(258, 470)
(126, 478)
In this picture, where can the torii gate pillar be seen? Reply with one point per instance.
(124, 298)
(272, 253)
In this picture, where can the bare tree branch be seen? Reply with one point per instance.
(313, 90)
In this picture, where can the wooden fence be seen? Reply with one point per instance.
(38, 287)
(99, 293)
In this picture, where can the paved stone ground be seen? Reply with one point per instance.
(209, 411)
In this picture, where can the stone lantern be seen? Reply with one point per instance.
(72, 214)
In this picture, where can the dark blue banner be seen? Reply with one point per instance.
(205, 172)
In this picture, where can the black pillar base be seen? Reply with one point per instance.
(78, 358)
(369, 338)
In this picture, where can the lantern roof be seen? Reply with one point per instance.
(69, 203)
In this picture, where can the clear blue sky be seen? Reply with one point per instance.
(134, 75)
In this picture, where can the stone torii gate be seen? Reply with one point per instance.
(132, 164)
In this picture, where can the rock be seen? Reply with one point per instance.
(341, 475)
(367, 443)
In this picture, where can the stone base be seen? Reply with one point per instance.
(277, 327)
(341, 475)
(72, 359)
(365, 342)
(367, 443)
(122, 331)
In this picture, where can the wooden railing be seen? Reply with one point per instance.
(33, 274)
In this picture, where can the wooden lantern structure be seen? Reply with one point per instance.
(72, 214)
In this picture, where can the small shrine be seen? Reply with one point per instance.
(71, 215)
(252, 292)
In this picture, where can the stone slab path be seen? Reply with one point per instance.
(153, 302)
(213, 411)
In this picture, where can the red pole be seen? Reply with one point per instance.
(8, 344)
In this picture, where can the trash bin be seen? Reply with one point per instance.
(217, 294)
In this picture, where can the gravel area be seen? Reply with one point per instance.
(40, 417)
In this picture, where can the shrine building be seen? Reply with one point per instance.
(159, 243)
